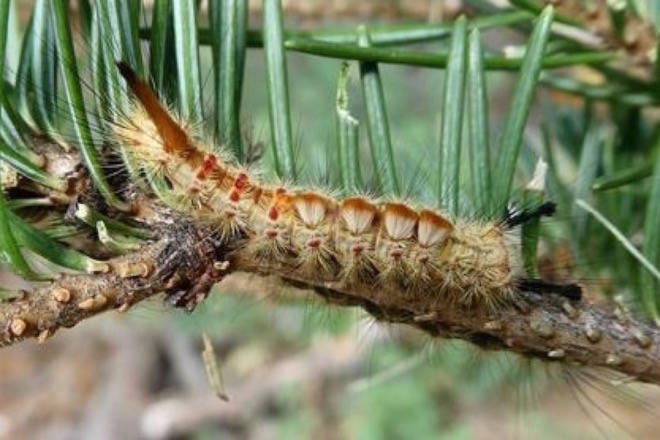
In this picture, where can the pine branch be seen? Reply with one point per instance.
(176, 261)
(184, 260)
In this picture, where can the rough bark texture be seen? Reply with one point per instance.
(541, 326)
(174, 263)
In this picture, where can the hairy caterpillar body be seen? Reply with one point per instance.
(358, 242)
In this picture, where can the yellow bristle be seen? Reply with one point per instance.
(358, 214)
(399, 221)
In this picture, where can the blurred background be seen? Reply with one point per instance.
(291, 366)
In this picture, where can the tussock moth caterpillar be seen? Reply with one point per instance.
(387, 246)
(401, 262)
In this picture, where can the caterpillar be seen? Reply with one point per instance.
(362, 243)
(452, 277)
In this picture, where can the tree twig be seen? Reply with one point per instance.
(173, 263)
(541, 326)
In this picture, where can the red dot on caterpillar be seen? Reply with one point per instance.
(273, 213)
(396, 254)
(234, 196)
(314, 243)
(241, 181)
(357, 250)
(209, 165)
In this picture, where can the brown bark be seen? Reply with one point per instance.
(172, 264)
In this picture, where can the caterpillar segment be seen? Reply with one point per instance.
(275, 234)
(387, 248)
(432, 232)
(394, 243)
(313, 234)
(356, 249)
